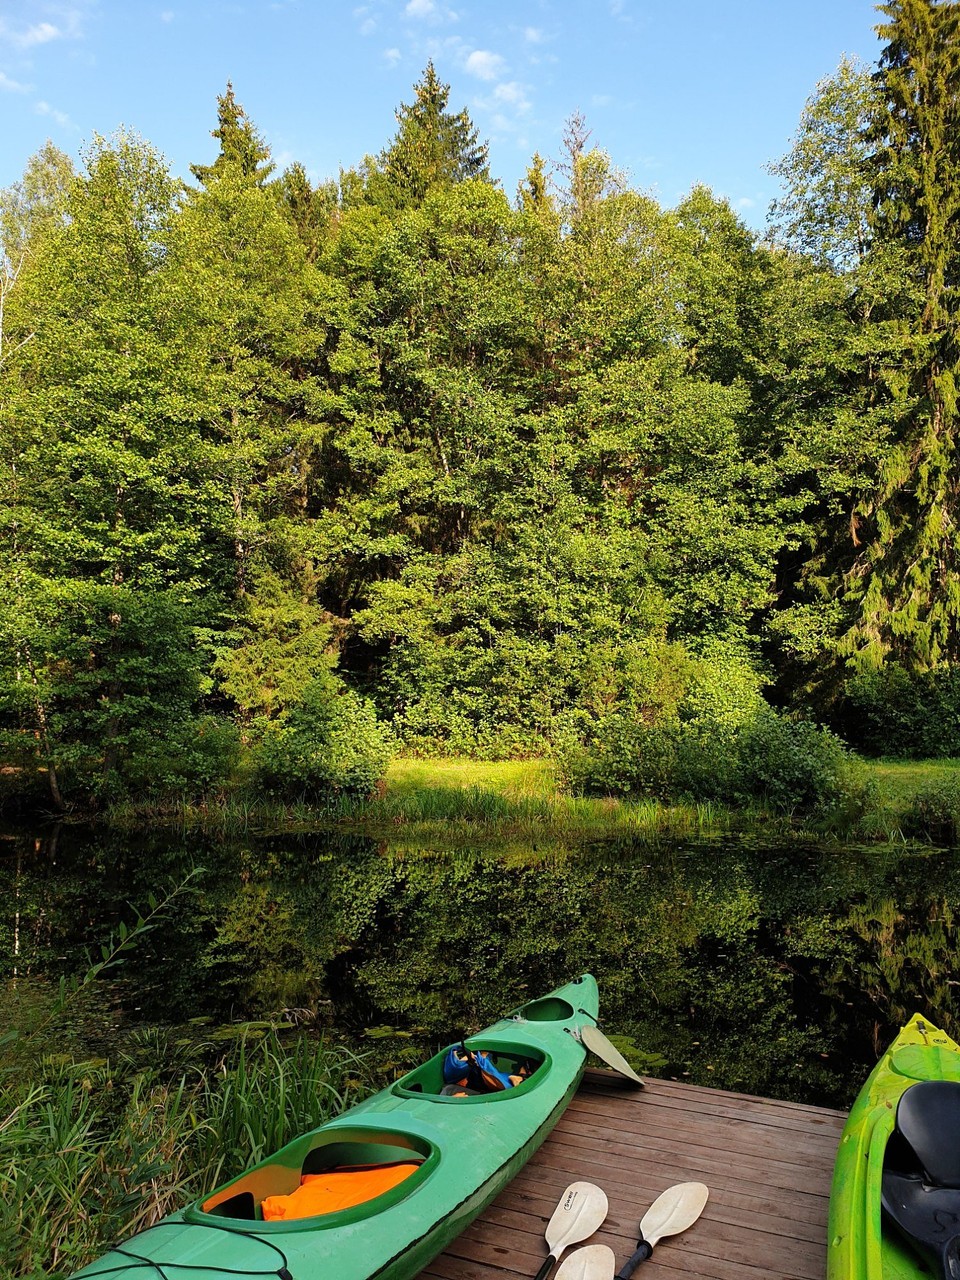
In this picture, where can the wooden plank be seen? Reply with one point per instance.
(662, 1093)
(768, 1164)
(724, 1135)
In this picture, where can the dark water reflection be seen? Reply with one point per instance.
(773, 970)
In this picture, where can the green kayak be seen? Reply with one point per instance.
(895, 1198)
(426, 1154)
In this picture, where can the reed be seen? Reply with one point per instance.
(89, 1153)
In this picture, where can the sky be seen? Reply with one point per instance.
(703, 91)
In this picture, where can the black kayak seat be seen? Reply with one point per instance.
(928, 1117)
(920, 1191)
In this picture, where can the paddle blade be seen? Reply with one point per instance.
(581, 1210)
(592, 1262)
(678, 1208)
(594, 1040)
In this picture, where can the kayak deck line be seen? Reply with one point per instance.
(768, 1165)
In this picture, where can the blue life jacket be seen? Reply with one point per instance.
(474, 1070)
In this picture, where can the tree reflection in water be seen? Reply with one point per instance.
(779, 971)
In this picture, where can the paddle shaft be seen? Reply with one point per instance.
(643, 1252)
(546, 1268)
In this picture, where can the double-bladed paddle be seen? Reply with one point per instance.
(672, 1212)
(581, 1210)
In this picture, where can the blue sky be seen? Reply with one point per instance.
(676, 93)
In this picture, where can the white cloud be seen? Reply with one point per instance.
(511, 93)
(12, 86)
(483, 64)
(746, 202)
(368, 26)
(392, 56)
(44, 109)
(601, 100)
(39, 33)
(533, 35)
(167, 15)
(430, 11)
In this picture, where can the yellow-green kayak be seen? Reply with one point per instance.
(878, 1202)
(434, 1154)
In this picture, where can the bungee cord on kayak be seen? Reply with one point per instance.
(138, 1260)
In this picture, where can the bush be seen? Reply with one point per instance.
(329, 743)
(625, 756)
(934, 813)
(792, 765)
(196, 755)
(895, 712)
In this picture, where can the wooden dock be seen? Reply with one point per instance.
(768, 1166)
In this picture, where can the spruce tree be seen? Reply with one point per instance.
(240, 144)
(432, 147)
(904, 582)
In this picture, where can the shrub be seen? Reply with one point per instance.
(788, 765)
(328, 743)
(934, 813)
(792, 765)
(895, 712)
(197, 754)
(625, 756)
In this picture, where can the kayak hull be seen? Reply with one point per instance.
(860, 1245)
(468, 1149)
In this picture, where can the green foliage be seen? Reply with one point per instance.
(96, 681)
(525, 476)
(718, 740)
(241, 145)
(792, 766)
(825, 208)
(934, 813)
(433, 146)
(39, 200)
(327, 743)
(897, 712)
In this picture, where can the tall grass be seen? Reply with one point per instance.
(92, 1152)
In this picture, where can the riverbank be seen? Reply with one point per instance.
(433, 802)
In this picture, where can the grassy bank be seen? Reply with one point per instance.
(431, 803)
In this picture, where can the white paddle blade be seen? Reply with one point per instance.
(594, 1039)
(678, 1208)
(592, 1262)
(581, 1210)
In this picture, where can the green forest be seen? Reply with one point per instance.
(296, 476)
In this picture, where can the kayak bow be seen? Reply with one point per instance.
(863, 1243)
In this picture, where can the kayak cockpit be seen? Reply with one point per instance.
(548, 1009)
(328, 1177)
(920, 1191)
(522, 1063)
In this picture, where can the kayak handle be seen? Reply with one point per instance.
(545, 1269)
(643, 1252)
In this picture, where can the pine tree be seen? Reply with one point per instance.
(432, 147)
(240, 144)
(904, 583)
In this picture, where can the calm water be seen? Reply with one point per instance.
(774, 970)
